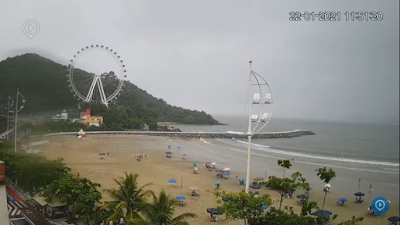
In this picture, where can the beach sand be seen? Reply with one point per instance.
(83, 156)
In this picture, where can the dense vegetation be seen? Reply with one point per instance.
(44, 83)
(131, 201)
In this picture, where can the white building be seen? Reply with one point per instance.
(62, 116)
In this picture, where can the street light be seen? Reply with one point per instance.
(17, 110)
(10, 103)
(260, 108)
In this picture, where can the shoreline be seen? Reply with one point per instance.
(82, 156)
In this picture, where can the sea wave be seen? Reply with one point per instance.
(386, 170)
(265, 148)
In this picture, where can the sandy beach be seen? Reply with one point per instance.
(83, 156)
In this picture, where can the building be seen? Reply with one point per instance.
(89, 120)
(54, 209)
(4, 219)
(60, 117)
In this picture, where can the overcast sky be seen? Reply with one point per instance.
(195, 54)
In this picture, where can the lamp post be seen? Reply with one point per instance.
(17, 110)
(9, 105)
(260, 111)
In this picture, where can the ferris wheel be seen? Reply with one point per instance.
(104, 87)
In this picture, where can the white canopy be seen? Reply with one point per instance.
(81, 132)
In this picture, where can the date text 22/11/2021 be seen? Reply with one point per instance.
(336, 16)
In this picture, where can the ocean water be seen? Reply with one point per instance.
(362, 147)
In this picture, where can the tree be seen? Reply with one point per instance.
(128, 198)
(325, 175)
(283, 217)
(285, 164)
(99, 215)
(161, 212)
(79, 193)
(242, 205)
(307, 207)
(45, 172)
(33, 172)
(282, 185)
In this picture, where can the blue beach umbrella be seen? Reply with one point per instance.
(184, 155)
(264, 207)
(178, 147)
(310, 188)
(172, 181)
(254, 186)
(343, 199)
(226, 173)
(303, 196)
(241, 179)
(324, 213)
(180, 197)
(225, 199)
(214, 211)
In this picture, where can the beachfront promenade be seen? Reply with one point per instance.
(284, 134)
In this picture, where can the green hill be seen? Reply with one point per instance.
(44, 85)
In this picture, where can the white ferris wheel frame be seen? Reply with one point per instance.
(258, 82)
(97, 78)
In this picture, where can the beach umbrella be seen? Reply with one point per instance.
(225, 199)
(178, 147)
(172, 181)
(194, 188)
(180, 197)
(240, 178)
(195, 168)
(193, 163)
(324, 213)
(310, 188)
(226, 173)
(302, 196)
(328, 185)
(168, 153)
(214, 211)
(227, 169)
(359, 194)
(213, 163)
(258, 178)
(254, 186)
(394, 219)
(264, 207)
(343, 199)
(184, 155)
(218, 182)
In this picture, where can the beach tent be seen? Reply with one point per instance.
(82, 133)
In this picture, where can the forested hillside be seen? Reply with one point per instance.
(44, 85)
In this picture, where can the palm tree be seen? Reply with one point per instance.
(161, 211)
(325, 175)
(285, 164)
(128, 198)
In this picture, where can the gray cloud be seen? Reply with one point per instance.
(195, 54)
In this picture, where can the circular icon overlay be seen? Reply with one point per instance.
(380, 205)
(31, 28)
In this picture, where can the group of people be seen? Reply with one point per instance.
(140, 157)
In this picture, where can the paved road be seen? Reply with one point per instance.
(17, 207)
